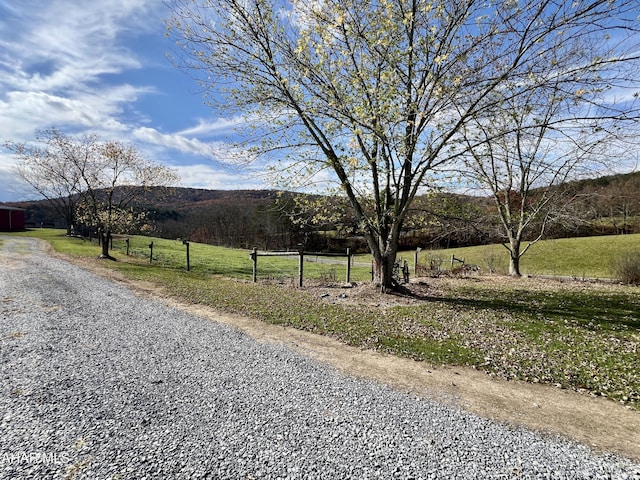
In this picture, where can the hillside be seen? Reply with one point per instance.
(173, 202)
(244, 218)
(186, 198)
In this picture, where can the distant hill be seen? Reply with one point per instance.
(171, 202)
(243, 218)
(630, 182)
(181, 198)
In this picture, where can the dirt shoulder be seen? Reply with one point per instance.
(598, 423)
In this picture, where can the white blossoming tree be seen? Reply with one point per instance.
(98, 181)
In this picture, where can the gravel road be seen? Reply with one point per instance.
(99, 383)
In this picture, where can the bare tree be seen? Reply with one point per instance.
(51, 169)
(115, 177)
(376, 92)
(91, 181)
(544, 131)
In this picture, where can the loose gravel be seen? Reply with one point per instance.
(99, 383)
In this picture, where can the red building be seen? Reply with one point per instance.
(11, 218)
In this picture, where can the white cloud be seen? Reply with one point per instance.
(12, 188)
(23, 112)
(216, 127)
(174, 141)
(59, 45)
(206, 176)
(53, 59)
(67, 64)
(627, 95)
(219, 151)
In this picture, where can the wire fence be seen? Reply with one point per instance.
(282, 267)
(326, 267)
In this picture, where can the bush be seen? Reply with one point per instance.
(491, 259)
(626, 269)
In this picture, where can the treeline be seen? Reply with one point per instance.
(263, 218)
(604, 206)
(240, 221)
(243, 219)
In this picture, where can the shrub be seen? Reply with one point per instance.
(435, 262)
(491, 259)
(626, 268)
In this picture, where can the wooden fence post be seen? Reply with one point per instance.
(151, 252)
(454, 259)
(127, 242)
(186, 243)
(348, 265)
(300, 265)
(254, 257)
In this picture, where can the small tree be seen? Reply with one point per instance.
(112, 181)
(91, 181)
(52, 169)
(541, 132)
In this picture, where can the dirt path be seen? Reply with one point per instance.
(601, 424)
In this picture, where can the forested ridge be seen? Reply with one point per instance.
(246, 218)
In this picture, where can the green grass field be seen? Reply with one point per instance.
(204, 259)
(577, 335)
(589, 257)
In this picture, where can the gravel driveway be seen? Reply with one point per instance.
(99, 383)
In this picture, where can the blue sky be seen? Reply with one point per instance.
(101, 67)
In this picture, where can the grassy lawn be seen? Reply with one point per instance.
(589, 257)
(575, 335)
(204, 259)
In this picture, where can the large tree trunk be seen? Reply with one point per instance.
(383, 270)
(514, 266)
(105, 241)
(70, 218)
(384, 250)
